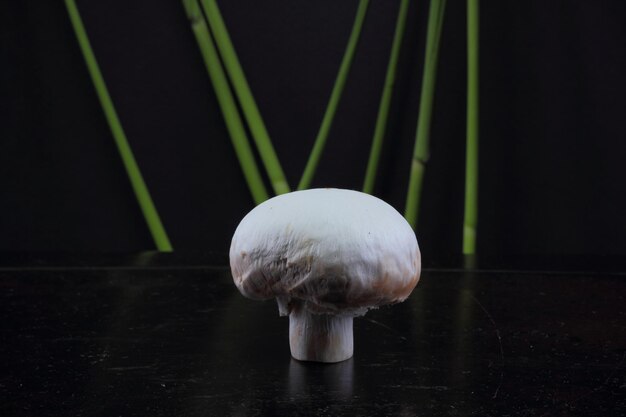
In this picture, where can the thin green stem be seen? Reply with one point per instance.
(331, 109)
(233, 121)
(422, 137)
(134, 174)
(471, 152)
(246, 100)
(385, 100)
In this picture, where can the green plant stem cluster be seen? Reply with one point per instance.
(223, 66)
(210, 30)
(244, 95)
(226, 101)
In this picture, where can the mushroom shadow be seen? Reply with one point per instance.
(336, 379)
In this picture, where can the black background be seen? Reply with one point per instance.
(552, 150)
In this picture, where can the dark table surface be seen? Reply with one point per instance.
(135, 336)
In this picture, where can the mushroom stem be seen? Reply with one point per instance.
(320, 337)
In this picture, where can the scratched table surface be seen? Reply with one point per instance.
(138, 336)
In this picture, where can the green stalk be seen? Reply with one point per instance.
(471, 163)
(331, 109)
(132, 170)
(385, 100)
(233, 121)
(246, 100)
(422, 137)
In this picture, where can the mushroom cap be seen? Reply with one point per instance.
(334, 251)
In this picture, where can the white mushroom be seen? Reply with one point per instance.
(326, 255)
